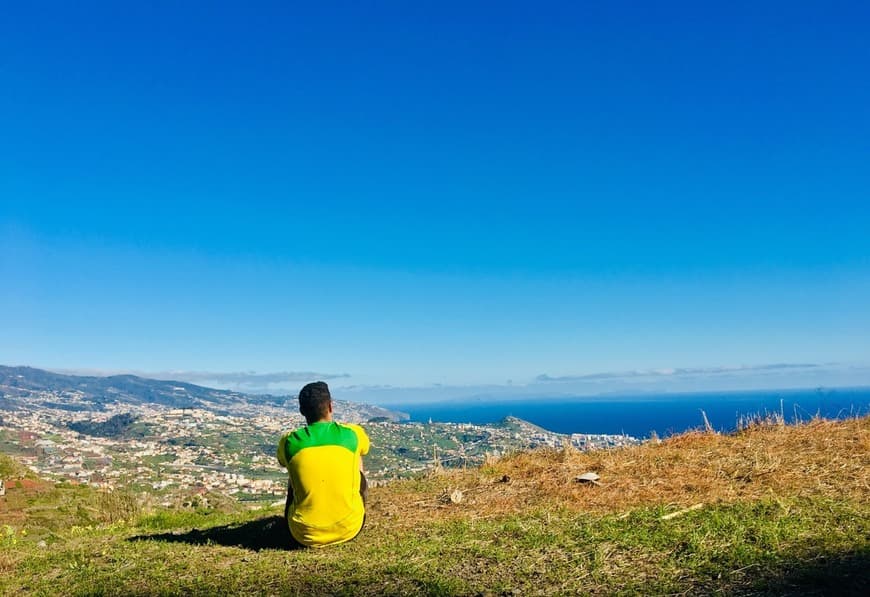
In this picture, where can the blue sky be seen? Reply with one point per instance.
(430, 195)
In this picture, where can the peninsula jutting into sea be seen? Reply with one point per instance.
(176, 440)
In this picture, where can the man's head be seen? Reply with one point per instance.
(315, 403)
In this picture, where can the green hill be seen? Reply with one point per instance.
(768, 510)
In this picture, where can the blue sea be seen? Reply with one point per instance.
(639, 416)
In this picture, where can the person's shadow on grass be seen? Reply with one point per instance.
(264, 533)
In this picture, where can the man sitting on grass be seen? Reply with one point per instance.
(327, 488)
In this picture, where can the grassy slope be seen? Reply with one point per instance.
(783, 509)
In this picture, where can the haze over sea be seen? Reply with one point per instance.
(639, 415)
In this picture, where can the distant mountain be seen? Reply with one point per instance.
(78, 392)
(19, 382)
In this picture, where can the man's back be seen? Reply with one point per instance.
(323, 461)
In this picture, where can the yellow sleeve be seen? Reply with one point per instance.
(364, 443)
(282, 450)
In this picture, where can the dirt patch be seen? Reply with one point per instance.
(29, 485)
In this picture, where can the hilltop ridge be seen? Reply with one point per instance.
(76, 392)
(769, 510)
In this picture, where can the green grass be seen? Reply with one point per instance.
(157, 460)
(768, 546)
(781, 511)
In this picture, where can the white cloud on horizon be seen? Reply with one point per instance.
(774, 376)
(245, 381)
(653, 381)
(679, 371)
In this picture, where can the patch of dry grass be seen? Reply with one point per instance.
(819, 458)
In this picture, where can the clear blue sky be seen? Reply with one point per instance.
(434, 193)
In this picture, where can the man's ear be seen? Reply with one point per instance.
(330, 406)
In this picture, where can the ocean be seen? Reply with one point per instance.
(639, 416)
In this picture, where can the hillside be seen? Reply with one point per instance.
(26, 381)
(22, 387)
(768, 510)
(105, 438)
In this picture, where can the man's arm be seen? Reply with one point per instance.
(364, 444)
(282, 450)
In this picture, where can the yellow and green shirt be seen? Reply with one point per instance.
(323, 460)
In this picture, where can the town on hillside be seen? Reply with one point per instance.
(169, 452)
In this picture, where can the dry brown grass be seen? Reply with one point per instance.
(816, 459)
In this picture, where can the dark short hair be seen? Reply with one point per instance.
(314, 400)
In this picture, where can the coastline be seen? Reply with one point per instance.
(641, 414)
